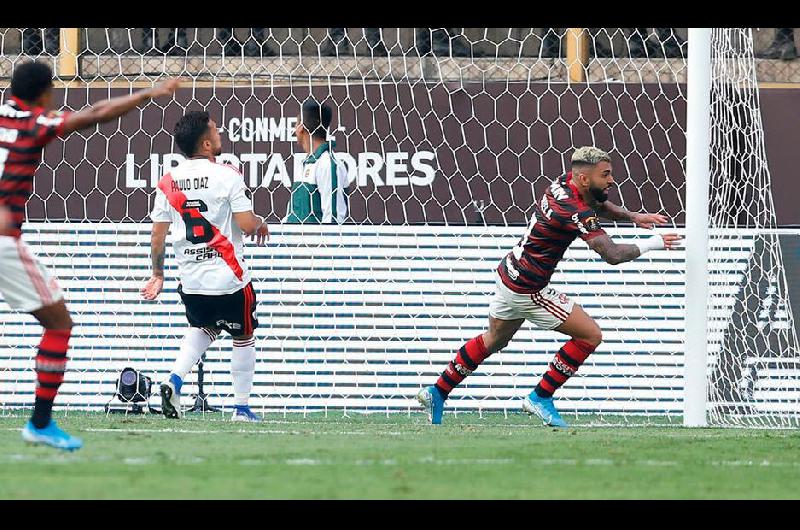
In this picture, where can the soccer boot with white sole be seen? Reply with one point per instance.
(243, 413)
(171, 397)
(51, 435)
(543, 408)
(433, 402)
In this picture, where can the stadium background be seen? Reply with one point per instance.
(107, 177)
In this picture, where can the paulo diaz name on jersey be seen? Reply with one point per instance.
(558, 218)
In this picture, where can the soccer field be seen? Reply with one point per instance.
(396, 457)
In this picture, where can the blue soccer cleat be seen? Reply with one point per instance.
(243, 413)
(544, 409)
(171, 397)
(433, 402)
(50, 435)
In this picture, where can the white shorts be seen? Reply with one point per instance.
(547, 309)
(24, 282)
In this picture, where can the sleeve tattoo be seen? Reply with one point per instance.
(611, 211)
(158, 263)
(157, 252)
(611, 252)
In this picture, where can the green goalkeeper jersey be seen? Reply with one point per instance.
(319, 193)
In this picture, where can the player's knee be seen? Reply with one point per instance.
(495, 342)
(64, 320)
(65, 325)
(502, 343)
(59, 320)
(594, 337)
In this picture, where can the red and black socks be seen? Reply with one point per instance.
(51, 360)
(563, 366)
(469, 357)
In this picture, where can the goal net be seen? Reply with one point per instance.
(448, 137)
(753, 351)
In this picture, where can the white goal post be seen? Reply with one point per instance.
(698, 145)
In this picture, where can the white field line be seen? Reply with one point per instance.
(61, 458)
(242, 431)
(377, 429)
(534, 426)
(696, 433)
(124, 430)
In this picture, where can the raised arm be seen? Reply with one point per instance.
(158, 240)
(113, 108)
(615, 254)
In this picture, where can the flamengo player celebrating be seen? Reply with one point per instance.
(210, 207)
(26, 125)
(568, 209)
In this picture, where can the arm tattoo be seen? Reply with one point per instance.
(609, 210)
(158, 241)
(157, 251)
(611, 252)
(158, 262)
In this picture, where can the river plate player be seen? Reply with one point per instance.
(210, 208)
(27, 125)
(568, 209)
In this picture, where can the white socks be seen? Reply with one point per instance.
(243, 364)
(193, 346)
(243, 360)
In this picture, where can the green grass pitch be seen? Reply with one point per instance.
(396, 457)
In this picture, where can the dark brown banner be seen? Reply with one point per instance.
(422, 153)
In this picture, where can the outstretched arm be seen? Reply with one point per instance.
(611, 211)
(158, 240)
(113, 108)
(615, 254)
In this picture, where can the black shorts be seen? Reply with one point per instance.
(235, 312)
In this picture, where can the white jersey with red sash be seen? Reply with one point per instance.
(199, 197)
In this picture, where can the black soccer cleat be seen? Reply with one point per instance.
(170, 401)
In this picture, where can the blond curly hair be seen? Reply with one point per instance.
(589, 155)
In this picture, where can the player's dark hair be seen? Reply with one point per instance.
(31, 80)
(316, 118)
(190, 129)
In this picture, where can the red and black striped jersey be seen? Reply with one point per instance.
(558, 218)
(24, 131)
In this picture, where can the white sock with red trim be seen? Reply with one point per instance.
(193, 346)
(243, 365)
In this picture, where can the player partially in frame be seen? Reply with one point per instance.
(27, 125)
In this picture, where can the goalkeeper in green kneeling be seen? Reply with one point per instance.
(319, 192)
